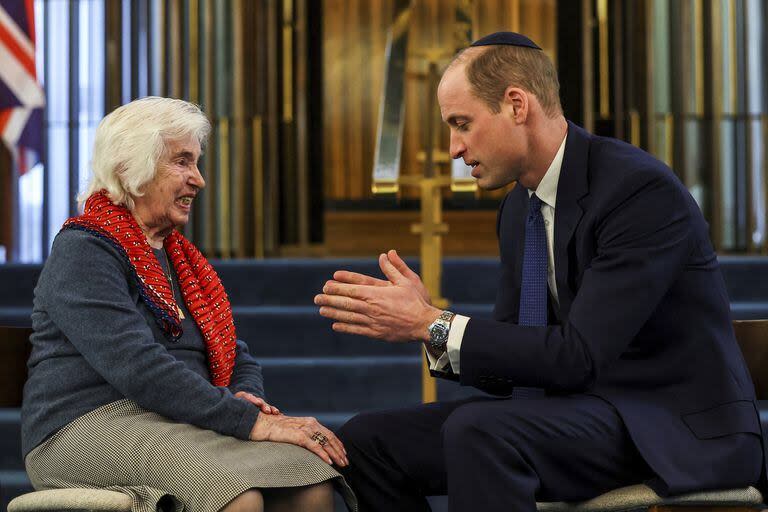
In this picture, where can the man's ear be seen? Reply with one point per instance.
(517, 101)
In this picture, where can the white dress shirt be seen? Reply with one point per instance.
(547, 192)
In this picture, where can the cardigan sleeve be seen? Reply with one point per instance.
(246, 375)
(85, 291)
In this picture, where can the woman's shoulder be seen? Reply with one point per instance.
(82, 248)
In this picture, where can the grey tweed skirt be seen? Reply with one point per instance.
(162, 464)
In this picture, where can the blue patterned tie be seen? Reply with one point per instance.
(533, 291)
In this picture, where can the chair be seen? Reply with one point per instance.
(752, 336)
(14, 352)
(55, 500)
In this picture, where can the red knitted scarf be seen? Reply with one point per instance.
(200, 286)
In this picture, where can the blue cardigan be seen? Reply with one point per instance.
(95, 342)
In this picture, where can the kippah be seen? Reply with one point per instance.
(508, 38)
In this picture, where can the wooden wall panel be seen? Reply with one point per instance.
(354, 42)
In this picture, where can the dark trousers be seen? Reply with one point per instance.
(489, 454)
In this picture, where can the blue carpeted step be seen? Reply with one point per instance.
(287, 331)
(279, 331)
(296, 281)
(10, 440)
(12, 483)
(746, 277)
(16, 316)
(342, 384)
(17, 283)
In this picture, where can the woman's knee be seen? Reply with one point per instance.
(310, 498)
(248, 501)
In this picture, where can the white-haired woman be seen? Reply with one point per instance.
(136, 380)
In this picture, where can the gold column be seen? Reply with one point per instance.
(698, 42)
(194, 51)
(602, 48)
(302, 126)
(764, 121)
(209, 236)
(716, 54)
(669, 139)
(650, 77)
(288, 61)
(162, 23)
(258, 187)
(587, 43)
(175, 38)
(239, 222)
(225, 207)
(114, 55)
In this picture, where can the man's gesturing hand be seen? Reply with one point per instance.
(305, 432)
(398, 309)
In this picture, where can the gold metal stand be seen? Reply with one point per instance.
(431, 228)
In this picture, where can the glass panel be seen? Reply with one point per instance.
(91, 82)
(661, 56)
(126, 44)
(756, 57)
(693, 164)
(31, 215)
(30, 186)
(757, 184)
(727, 179)
(57, 62)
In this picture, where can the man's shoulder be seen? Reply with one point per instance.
(614, 164)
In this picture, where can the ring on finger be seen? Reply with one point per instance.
(319, 438)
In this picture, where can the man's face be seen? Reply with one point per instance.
(493, 144)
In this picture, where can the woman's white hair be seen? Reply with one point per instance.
(130, 140)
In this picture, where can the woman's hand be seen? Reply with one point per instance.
(258, 402)
(305, 432)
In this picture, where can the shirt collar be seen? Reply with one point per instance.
(547, 189)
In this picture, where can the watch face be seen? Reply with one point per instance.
(438, 335)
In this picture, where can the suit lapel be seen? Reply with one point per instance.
(571, 188)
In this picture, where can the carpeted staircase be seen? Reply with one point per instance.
(308, 368)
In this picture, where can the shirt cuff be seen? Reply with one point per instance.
(437, 364)
(455, 337)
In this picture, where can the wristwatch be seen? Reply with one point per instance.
(439, 329)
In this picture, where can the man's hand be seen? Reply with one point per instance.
(304, 432)
(258, 402)
(396, 310)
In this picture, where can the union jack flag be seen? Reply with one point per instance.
(21, 97)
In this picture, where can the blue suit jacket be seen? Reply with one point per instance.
(644, 317)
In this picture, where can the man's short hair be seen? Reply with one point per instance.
(496, 67)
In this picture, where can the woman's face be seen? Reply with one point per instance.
(167, 199)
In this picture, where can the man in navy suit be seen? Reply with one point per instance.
(611, 347)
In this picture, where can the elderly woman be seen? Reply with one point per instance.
(136, 379)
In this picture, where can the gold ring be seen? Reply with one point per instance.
(319, 438)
